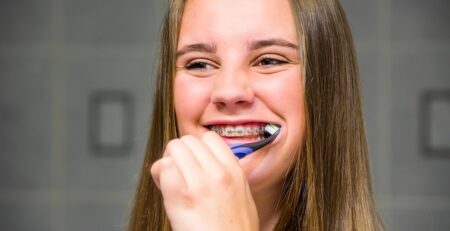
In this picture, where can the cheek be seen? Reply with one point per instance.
(284, 95)
(293, 109)
(191, 96)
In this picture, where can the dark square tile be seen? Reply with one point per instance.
(86, 169)
(414, 172)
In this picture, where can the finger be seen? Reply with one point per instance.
(186, 161)
(204, 155)
(172, 183)
(158, 166)
(155, 170)
(220, 149)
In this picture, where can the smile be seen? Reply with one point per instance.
(245, 131)
(251, 136)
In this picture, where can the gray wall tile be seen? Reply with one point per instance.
(413, 220)
(387, 218)
(414, 173)
(25, 20)
(94, 217)
(85, 169)
(418, 220)
(23, 217)
(362, 17)
(416, 19)
(442, 222)
(439, 134)
(369, 81)
(116, 21)
(25, 123)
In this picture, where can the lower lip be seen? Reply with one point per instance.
(229, 140)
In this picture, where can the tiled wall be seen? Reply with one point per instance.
(404, 52)
(56, 54)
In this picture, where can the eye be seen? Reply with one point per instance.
(270, 61)
(199, 65)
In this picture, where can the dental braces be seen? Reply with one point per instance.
(238, 131)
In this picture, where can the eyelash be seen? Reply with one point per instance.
(194, 65)
(270, 61)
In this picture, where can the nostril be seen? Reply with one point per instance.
(232, 90)
(220, 105)
(242, 102)
(232, 102)
(231, 97)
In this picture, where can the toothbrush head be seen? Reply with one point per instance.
(242, 150)
(271, 129)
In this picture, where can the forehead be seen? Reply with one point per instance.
(231, 20)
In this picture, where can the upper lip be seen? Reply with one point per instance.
(236, 122)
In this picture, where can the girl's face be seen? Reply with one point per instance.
(238, 65)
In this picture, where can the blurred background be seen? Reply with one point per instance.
(76, 93)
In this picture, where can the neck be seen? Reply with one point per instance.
(268, 208)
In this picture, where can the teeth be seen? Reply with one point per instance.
(239, 130)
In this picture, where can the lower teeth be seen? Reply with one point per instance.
(258, 138)
(239, 131)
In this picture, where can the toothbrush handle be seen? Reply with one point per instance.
(241, 151)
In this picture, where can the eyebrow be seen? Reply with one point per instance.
(199, 47)
(254, 45)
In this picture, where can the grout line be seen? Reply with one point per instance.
(25, 50)
(120, 197)
(117, 197)
(384, 115)
(421, 46)
(79, 50)
(407, 202)
(148, 50)
(99, 197)
(58, 92)
(25, 196)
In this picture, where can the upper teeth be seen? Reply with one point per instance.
(239, 130)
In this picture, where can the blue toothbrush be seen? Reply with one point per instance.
(242, 150)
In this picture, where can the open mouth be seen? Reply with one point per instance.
(248, 132)
(244, 139)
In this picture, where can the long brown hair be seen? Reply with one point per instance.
(328, 187)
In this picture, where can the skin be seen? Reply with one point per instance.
(244, 67)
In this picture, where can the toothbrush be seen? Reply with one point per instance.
(242, 150)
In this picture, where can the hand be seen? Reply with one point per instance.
(203, 186)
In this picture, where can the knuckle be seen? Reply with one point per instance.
(204, 190)
(223, 179)
(171, 147)
(158, 165)
(201, 188)
(187, 138)
(154, 168)
(187, 199)
(171, 144)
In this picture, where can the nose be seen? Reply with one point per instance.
(232, 91)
